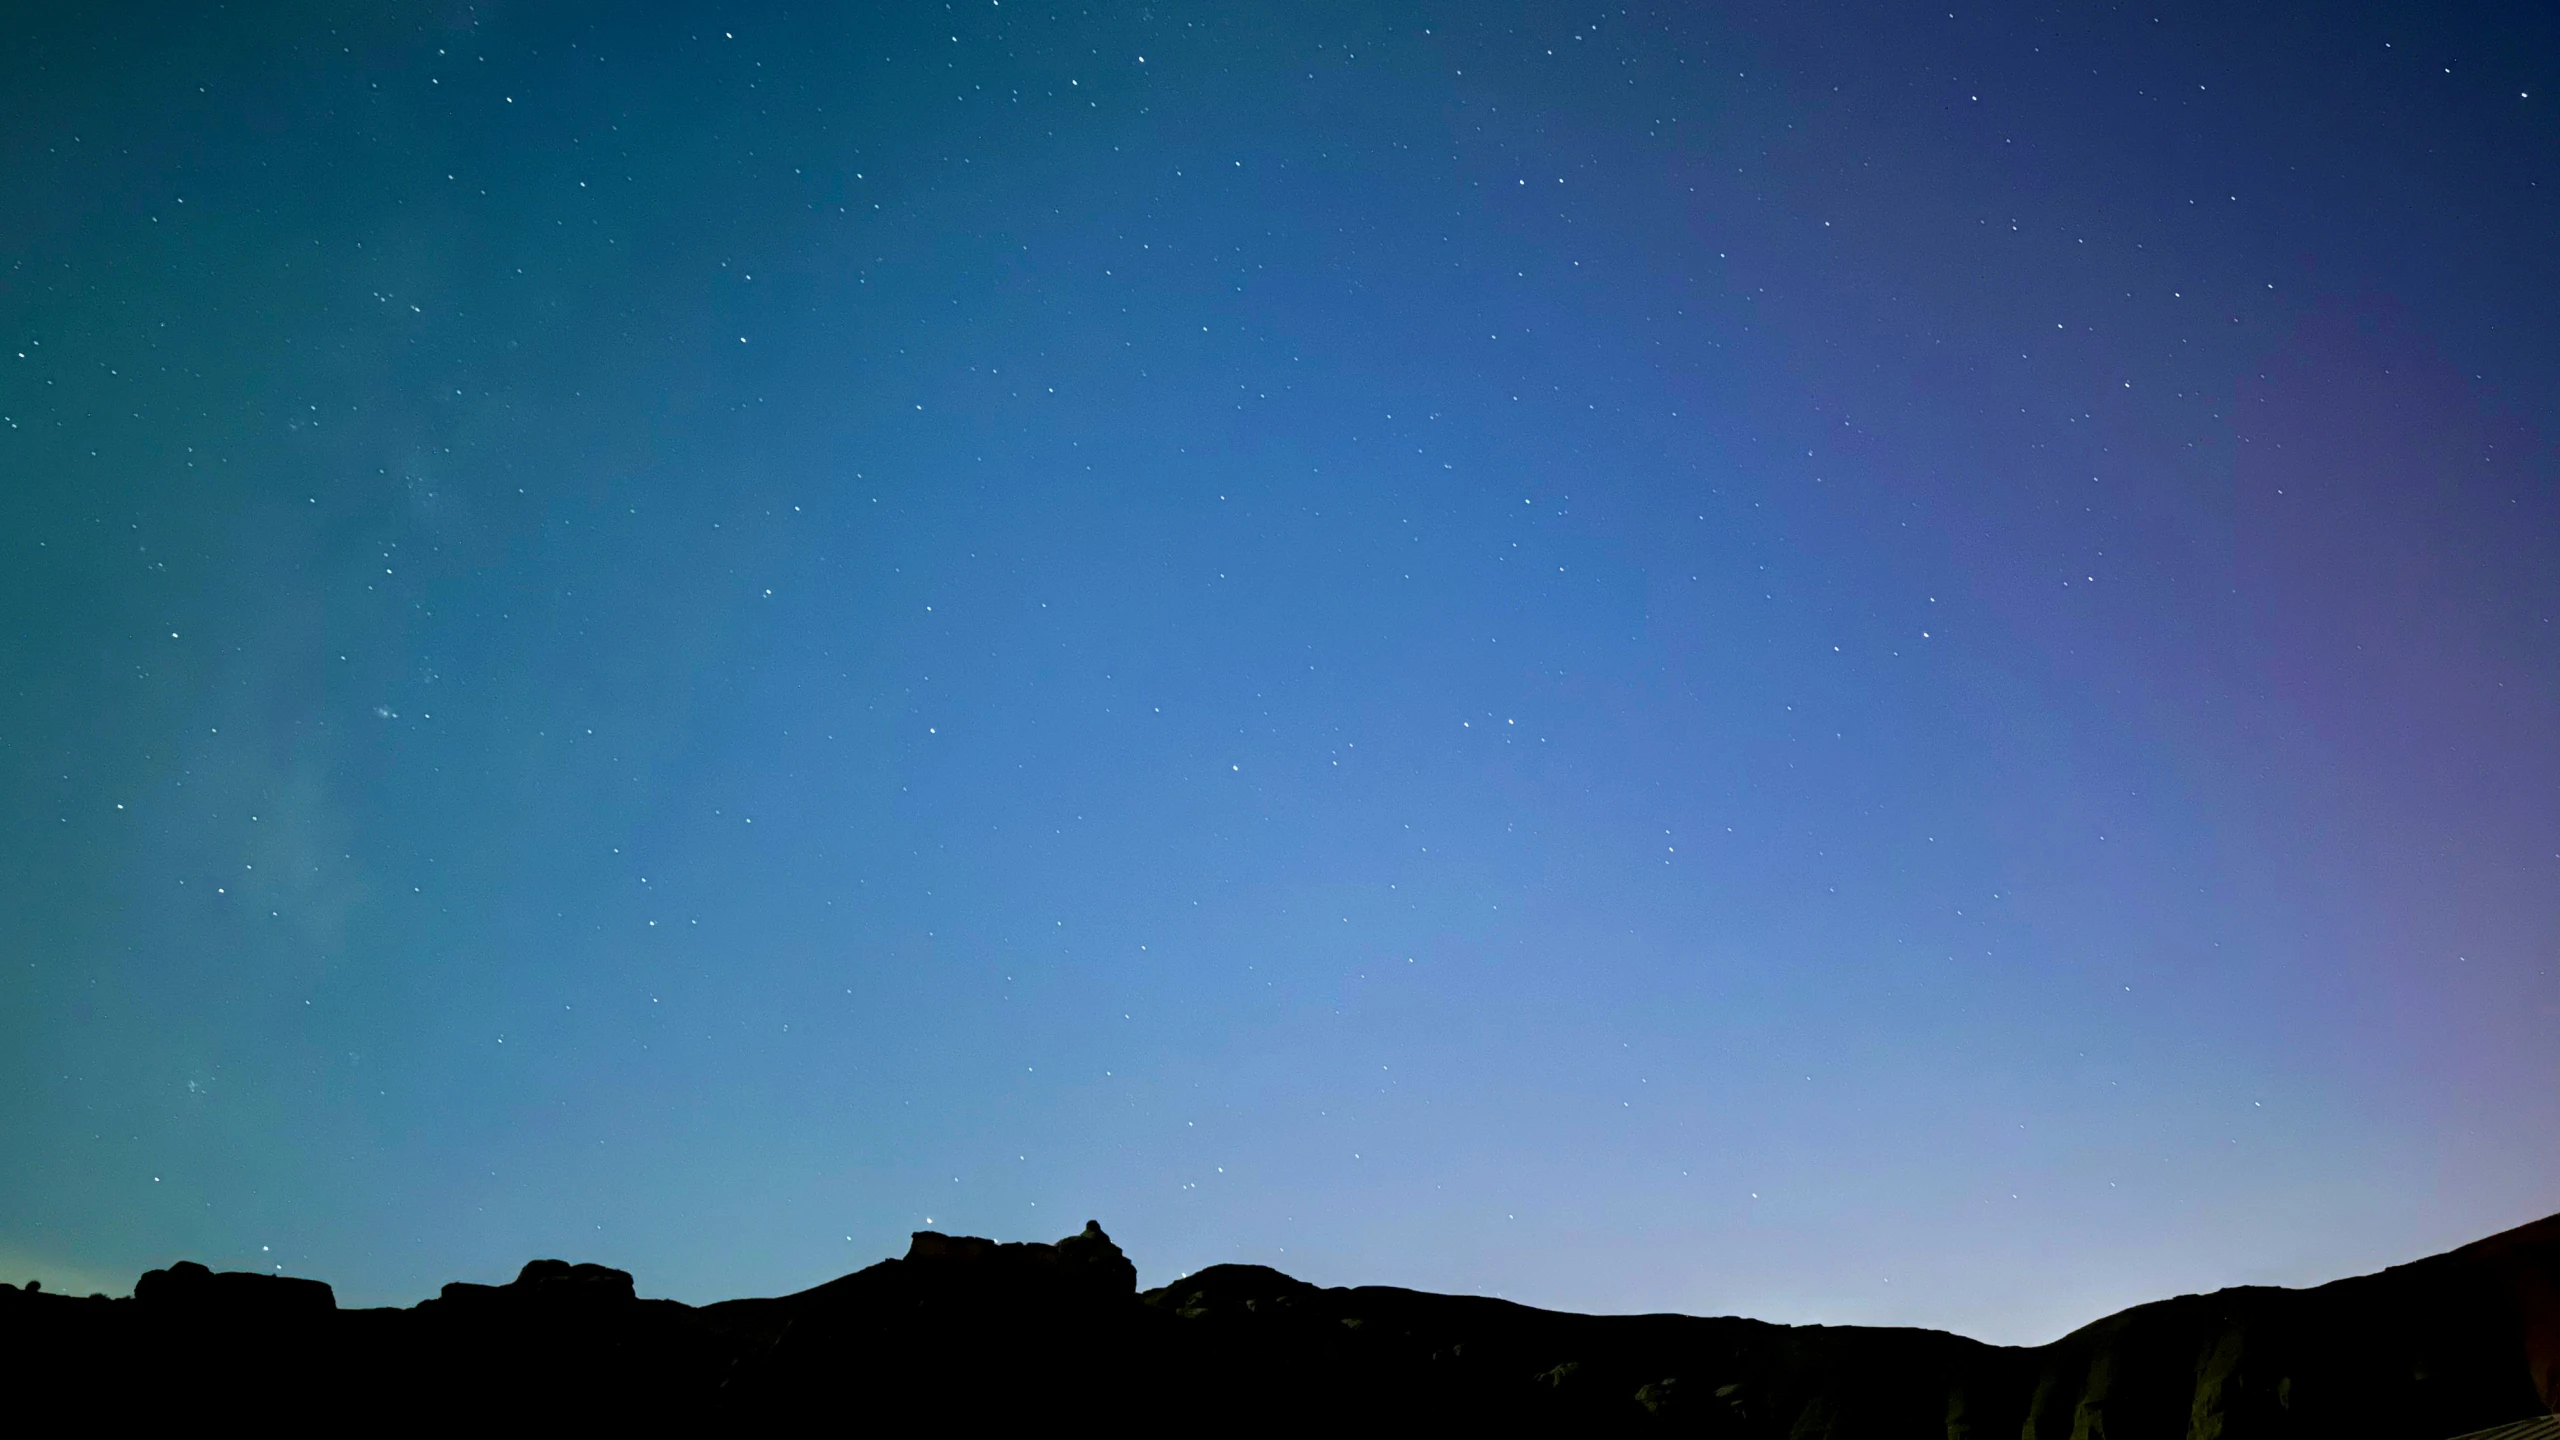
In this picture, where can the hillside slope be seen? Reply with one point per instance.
(968, 1334)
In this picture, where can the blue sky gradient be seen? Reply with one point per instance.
(1843, 663)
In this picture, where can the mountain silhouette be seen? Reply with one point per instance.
(969, 1335)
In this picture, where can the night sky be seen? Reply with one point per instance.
(1836, 662)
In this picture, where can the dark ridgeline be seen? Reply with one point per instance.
(966, 1334)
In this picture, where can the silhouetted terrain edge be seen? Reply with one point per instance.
(968, 1335)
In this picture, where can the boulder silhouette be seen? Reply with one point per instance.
(548, 1285)
(232, 1294)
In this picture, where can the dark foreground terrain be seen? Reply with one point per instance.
(966, 1335)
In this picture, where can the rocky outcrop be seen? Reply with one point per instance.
(971, 1335)
(189, 1289)
(548, 1286)
(1064, 1318)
